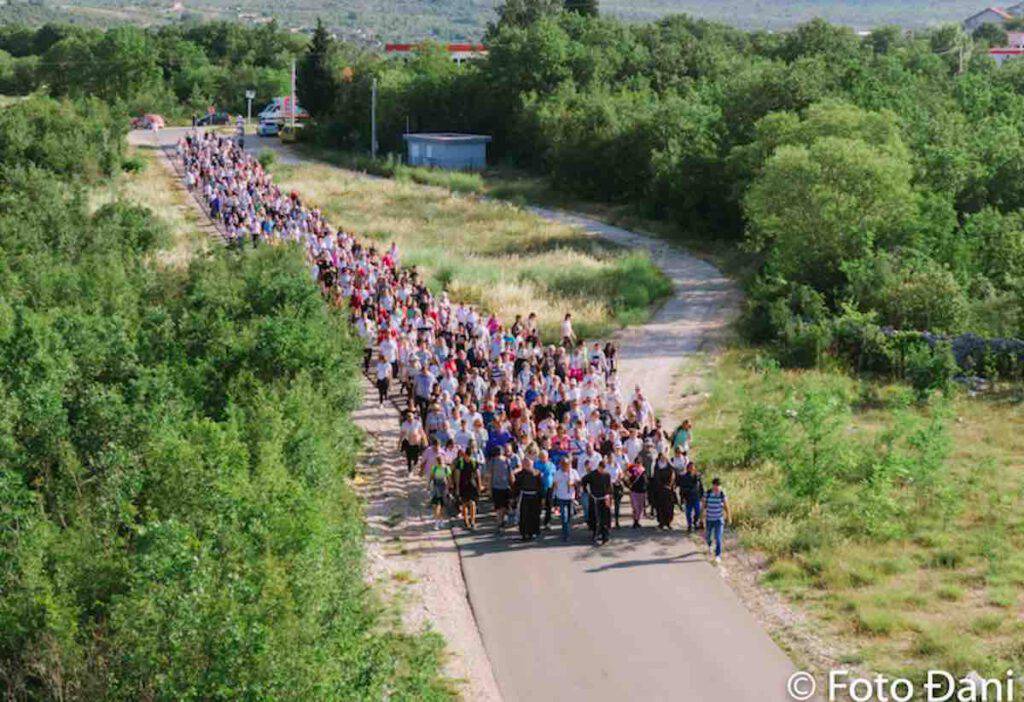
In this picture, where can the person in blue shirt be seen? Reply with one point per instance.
(716, 515)
(531, 395)
(546, 469)
(497, 438)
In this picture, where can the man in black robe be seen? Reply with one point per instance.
(528, 484)
(598, 486)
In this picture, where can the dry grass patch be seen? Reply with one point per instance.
(154, 186)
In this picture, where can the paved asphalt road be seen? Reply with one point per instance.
(645, 617)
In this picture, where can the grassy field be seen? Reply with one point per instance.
(149, 184)
(521, 187)
(912, 573)
(489, 253)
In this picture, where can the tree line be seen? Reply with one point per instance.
(874, 181)
(175, 517)
(172, 70)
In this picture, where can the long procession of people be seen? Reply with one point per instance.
(485, 406)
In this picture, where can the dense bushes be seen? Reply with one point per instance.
(68, 138)
(174, 517)
(862, 488)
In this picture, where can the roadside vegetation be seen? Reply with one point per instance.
(498, 256)
(176, 520)
(866, 190)
(148, 183)
(869, 180)
(896, 524)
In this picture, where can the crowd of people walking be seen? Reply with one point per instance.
(487, 408)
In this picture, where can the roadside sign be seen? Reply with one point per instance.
(250, 94)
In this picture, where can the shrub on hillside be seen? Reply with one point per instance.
(82, 139)
(176, 521)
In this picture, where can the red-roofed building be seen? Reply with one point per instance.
(458, 52)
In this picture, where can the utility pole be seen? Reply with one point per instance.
(249, 95)
(373, 120)
(293, 97)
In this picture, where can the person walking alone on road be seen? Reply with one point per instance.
(598, 486)
(716, 515)
(691, 492)
(564, 489)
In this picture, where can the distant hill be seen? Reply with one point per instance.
(386, 20)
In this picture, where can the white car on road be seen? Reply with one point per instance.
(268, 128)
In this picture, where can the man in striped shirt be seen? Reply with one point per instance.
(716, 514)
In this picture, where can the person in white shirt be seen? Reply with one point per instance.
(568, 336)
(565, 483)
(463, 436)
(383, 379)
(617, 465)
(633, 445)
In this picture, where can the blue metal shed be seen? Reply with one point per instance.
(447, 150)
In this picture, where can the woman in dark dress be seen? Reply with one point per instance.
(467, 482)
(636, 481)
(664, 494)
(528, 484)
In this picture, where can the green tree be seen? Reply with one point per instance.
(991, 34)
(523, 13)
(587, 8)
(953, 43)
(316, 85)
(814, 207)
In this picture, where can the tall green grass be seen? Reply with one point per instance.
(899, 525)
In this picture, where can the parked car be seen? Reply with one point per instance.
(214, 119)
(149, 121)
(268, 127)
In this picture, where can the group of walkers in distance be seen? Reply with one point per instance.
(486, 407)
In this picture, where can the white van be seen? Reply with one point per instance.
(279, 111)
